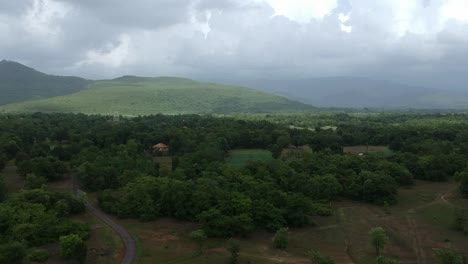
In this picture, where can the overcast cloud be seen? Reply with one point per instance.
(414, 41)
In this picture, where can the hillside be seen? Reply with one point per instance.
(20, 83)
(130, 95)
(361, 92)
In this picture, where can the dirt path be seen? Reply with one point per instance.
(127, 239)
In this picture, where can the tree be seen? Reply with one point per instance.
(448, 256)
(378, 239)
(12, 252)
(3, 189)
(34, 182)
(318, 258)
(234, 249)
(462, 178)
(281, 238)
(72, 246)
(199, 237)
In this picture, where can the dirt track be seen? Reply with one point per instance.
(127, 239)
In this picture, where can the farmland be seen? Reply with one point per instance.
(240, 157)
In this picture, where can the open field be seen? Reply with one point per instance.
(13, 181)
(420, 222)
(240, 157)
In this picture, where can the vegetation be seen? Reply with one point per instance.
(281, 238)
(383, 260)
(234, 249)
(199, 237)
(72, 246)
(318, 258)
(378, 238)
(20, 83)
(41, 221)
(448, 256)
(133, 96)
(114, 158)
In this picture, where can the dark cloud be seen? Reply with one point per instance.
(418, 42)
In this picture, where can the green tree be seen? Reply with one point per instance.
(234, 249)
(34, 182)
(378, 239)
(72, 246)
(318, 258)
(448, 256)
(38, 255)
(3, 189)
(462, 178)
(199, 237)
(281, 238)
(13, 252)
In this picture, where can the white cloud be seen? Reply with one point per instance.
(455, 9)
(114, 54)
(303, 10)
(42, 18)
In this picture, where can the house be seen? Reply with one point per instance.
(161, 147)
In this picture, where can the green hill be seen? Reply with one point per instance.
(20, 83)
(130, 95)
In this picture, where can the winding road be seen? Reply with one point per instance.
(127, 239)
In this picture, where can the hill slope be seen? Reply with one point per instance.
(361, 92)
(20, 83)
(130, 95)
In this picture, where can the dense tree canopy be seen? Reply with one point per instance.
(113, 156)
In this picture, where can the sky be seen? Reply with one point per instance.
(423, 42)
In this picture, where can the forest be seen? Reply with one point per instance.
(114, 157)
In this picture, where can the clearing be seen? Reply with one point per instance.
(240, 157)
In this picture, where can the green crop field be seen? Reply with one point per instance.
(132, 96)
(240, 157)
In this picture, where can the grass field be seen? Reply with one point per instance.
(13, 181)
(240, 157)
(132, 96)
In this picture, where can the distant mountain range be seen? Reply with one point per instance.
(349, 92)
(24, 89)
(131, 95)
(20, 83)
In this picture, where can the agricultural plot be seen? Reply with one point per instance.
(240, 157)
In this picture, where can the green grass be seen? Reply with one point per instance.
(132, 96)
(240, 157)
(439, 214)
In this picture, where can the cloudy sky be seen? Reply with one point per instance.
(414, 41)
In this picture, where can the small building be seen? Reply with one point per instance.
(161, 147)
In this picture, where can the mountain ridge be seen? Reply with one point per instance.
(135, 95)
(360, 92)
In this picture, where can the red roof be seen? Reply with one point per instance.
(160, 145)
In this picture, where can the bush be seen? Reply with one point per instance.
(281, 238)
(34, 182)
(38, 255)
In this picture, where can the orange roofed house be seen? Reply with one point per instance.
(160, 147)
